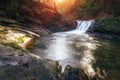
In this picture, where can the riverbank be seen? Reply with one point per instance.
(21, 64)
(16, 60)
(108, 28)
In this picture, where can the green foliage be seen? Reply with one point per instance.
(108, 25)
(94, 8)
(88, 9)
(15, 46)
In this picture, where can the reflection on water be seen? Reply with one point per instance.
(108, 58)
(77, 49)
(81, 51)
(70, 49)
(74, 48)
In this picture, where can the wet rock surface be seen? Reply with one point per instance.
(19, 64)
(22, 65)
(108, 28)
(28, 24)
(15, 64)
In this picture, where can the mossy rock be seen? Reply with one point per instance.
(108, 26)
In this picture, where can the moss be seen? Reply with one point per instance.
(1, 32)
(108, 25)
(15, 42)
(15, 45)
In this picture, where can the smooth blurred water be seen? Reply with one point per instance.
(75, 50)
(72, 48)
(78, 49)
(108, 57)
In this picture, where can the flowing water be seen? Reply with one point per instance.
(77, 49)
(108, 57)
(74, 48)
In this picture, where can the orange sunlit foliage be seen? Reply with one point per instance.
(64, 6)
(59, 1)
(60, 5)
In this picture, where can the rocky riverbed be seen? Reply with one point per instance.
(17, 61)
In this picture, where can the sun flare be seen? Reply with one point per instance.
(62, 6)
(59, 1)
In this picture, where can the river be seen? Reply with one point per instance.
(77, 49)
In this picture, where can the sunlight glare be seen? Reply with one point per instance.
(18, 38)
(59, 1)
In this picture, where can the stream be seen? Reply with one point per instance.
(60, 55)
(74, 48)
(108, 57)
(77, 49)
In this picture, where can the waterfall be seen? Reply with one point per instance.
(82, 27)
(72, 48)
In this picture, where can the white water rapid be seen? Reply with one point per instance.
(84, 25)
(74, 48)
